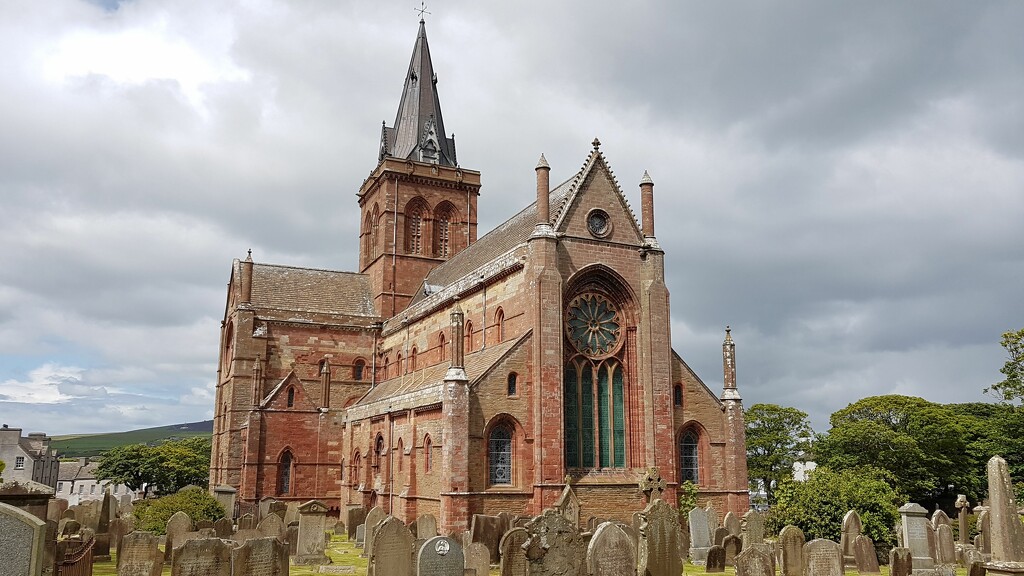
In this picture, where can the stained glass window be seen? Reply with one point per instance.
(284, 473)
(594, 414)
(499, 452)
(570, 413)
(592, 325)
(688, 458)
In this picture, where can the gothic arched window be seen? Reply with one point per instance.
(689, 459)
(499, 454)
(378, 452)
(415, 213)
(443, 353)
(412, 360)
(357, 369)
(284, 473)
(291, 397)
(469, 336)
(374, 232)
(513, 381)
(677, 395)
(444, 216)
(499, 324)
(428, 458)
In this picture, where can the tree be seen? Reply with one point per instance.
(777, 436)
(1012, 386)
(817, 506)
(921, 444)
(194, 501)
(133, 465)
(2, 466)
(169, 466)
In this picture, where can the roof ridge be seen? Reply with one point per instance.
(307, 268)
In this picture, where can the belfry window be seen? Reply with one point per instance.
(499, 454)
(688, 457)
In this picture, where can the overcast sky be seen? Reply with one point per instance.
(841, 182)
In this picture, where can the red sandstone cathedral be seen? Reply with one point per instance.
(457, 375)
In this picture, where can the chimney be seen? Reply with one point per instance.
(458, 339)
(543, 189)
(246, 280)
(647, 205)
(729, 391)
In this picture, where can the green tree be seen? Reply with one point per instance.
(777, 437)
(133, 465)
(921, 444)
(168, 467)
(152, 515)
(687, 499)
(1012, 386)
(817, 506)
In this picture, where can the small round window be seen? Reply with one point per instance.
(598, 223)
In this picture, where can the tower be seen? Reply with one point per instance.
(418, 206)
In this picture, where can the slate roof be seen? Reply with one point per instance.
(477, 364)
(311, 290)
(68, 471)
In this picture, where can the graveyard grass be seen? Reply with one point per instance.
(345, 553)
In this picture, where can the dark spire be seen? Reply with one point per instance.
(418, 133)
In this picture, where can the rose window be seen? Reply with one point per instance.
(592, 325)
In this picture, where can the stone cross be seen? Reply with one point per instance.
(652, 484)
(962, 507)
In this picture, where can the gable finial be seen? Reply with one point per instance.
(597, 144)
(422, 10)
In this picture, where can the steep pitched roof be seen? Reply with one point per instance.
(418, 133)
(311, 290)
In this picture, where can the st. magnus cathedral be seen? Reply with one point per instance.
(458, 375)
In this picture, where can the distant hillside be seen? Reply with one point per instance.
(78, 445)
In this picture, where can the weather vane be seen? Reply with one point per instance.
(422, 9)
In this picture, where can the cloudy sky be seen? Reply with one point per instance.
(842, 182)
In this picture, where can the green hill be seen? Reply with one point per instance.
(77, 445)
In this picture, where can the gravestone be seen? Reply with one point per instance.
(246, 522)
(791, 551)
(731, 523)
(209, 557)
(658, 546)
(68, 526)
(291, 537)
(939, 517)
(712, 515)
(554, 547)
(720, 533)
(513, 557)
(611, 552)
(568, 504)
(272, 527)
(361, 536)
(822, 558)
(962, 510)
(223, 528)
(440, 556)
(248, 534)
(354, 517)
(312, 526)
(69, 513)
(477, 558)
(260, 557)
(983, 540)
(391, 550)
(754, 560)
(684, 539)
(22, 539)
(1006, 528)
(55, 508)
(118, 528)
(204, 524)
(864, 552)
(916, 529)
(339, 528)
(373, 518)
(291, 513)
(140, 555)
(977, 569)
(426, 526)
(733, 546)
(852, 527)
(753, 528)
(178, 524)
(700, 539)
(900, 562)
(489, 529)
(716, 560)
(945, 546)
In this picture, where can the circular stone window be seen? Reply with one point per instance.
(598, 223)
(592, 325)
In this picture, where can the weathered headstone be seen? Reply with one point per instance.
(223, 527)
(354, 517)
(945, 546)
(246, 522)
(791, 551)
(312, 525)
(361, 536)
(140, 555)
(477, 557)
(513, 557)
(339, 528)
(554, 546)
(208, 557)
(260, 557)
(291, 538)
(291, 513)
(1007, 530)
(983, 541)
(440, 556)
(916, 529)
(852, 527)
(712, 515)
(733, 546)
(731, 522)
(204, 524)
(720, 533)
(715, 560)
(900, 562)
(658, 547)
(178, 524)
(241, 536)
(426, 526)
(391, 551)
(753, 528)
(22, 539)
(822, 558)
(939, 517)
(754, 560)
(272, 527)
(864, 553)
(68, 526)
(700, 537)
(977, 569)
(962, 510)
(611, 552)
(488, 530)
(373, 518)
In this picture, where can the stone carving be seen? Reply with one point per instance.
(822, 558)
(477, 557)
(513, 557)
(732, 524)
(179, 523)
(652, 484)
(916, 530)
(374, 517)
(140, 555)
(260, 557)
(716, 560)
(851, 529)
(554, 547)
(945, 547)
(312, 525)
(391, 550)
(900, 562)
(733, 546)
(440, 556)
(753, 528)
(962, 510)
(611, 552)
(658, 545)
(1006, 528)
(207, 557)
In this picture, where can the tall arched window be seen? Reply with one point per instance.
(357, 468)
(357, 369)
(428, 456)
(412, 360)
(398, 365)
(499, 454)
(689, 459)
(415, 213)
(384, 368)
(378, 452)
(229, 340)
(400, 455)
(367, 238)
(374, 232)
(513, 382)
(284, 473)
(499, 324)
(677, 395)
(291, 397)
(444, 217)
(441, 347)
(469, 336)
